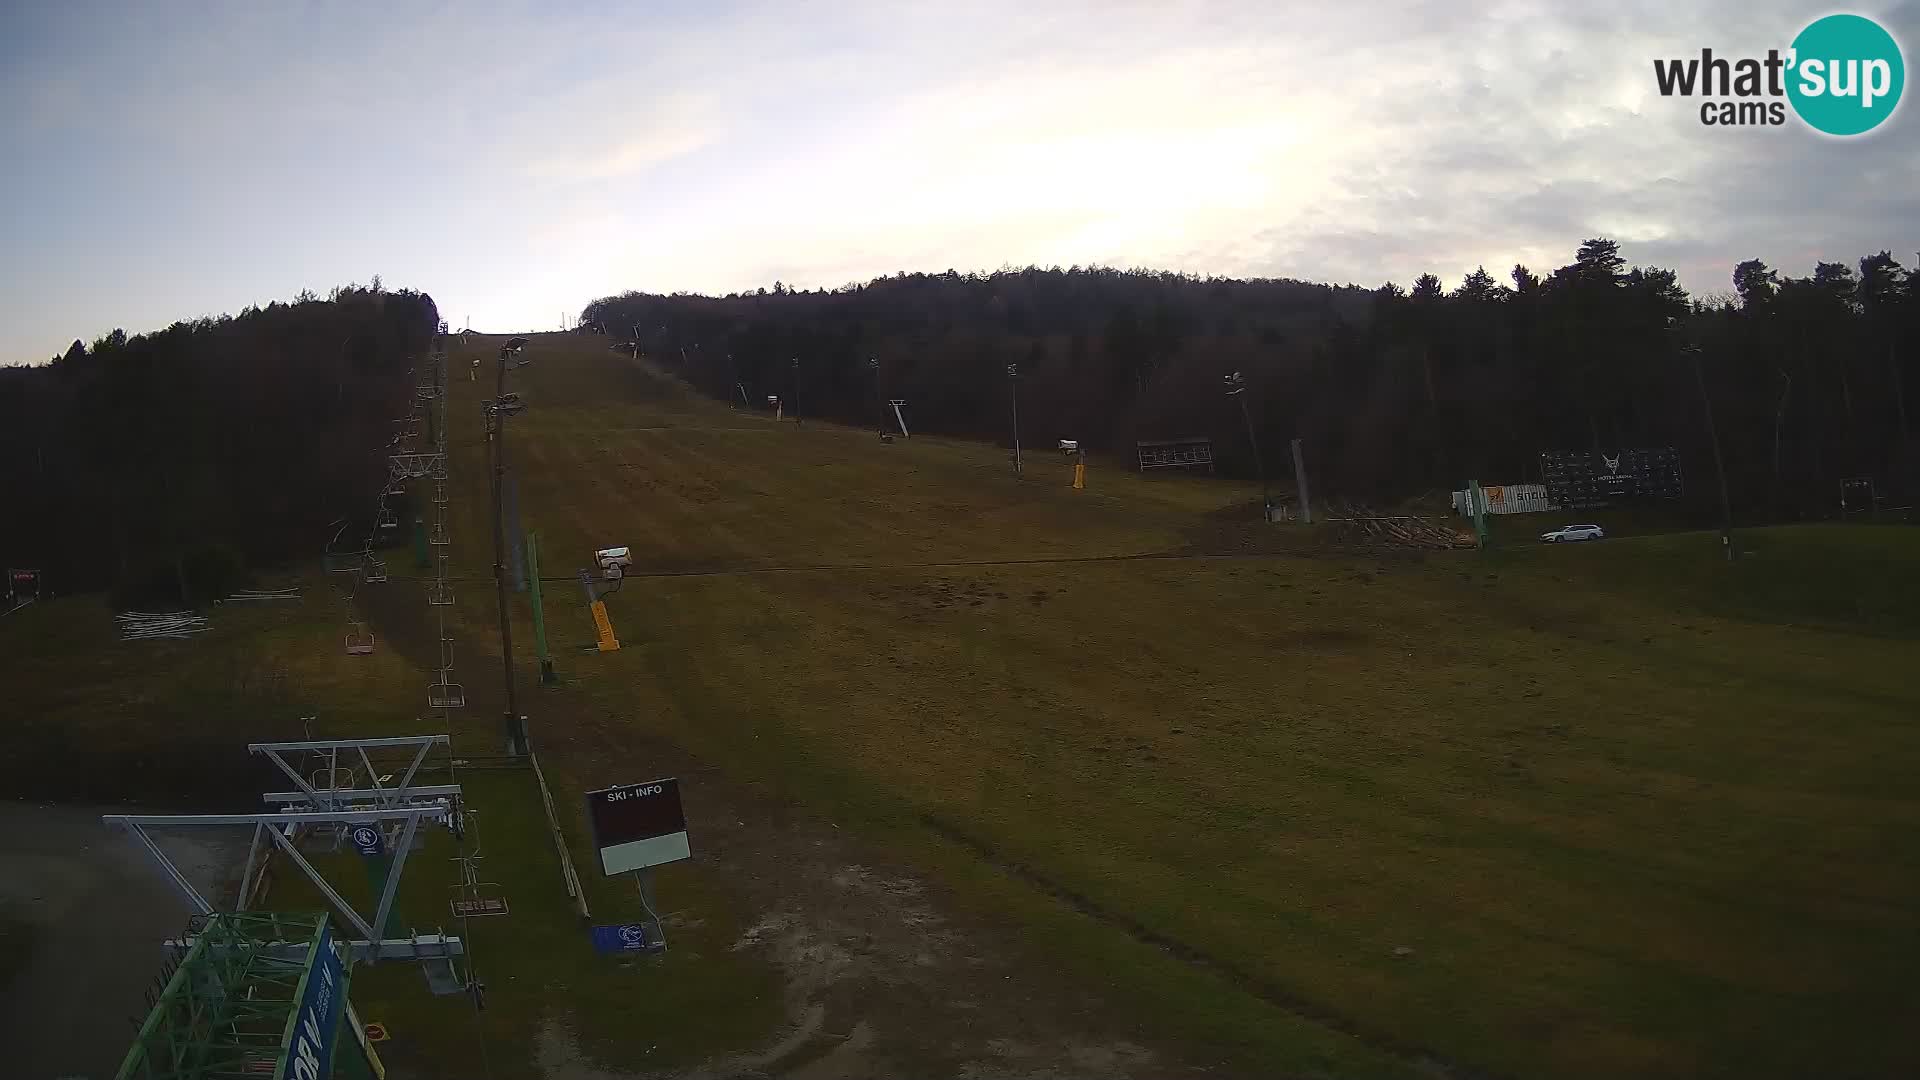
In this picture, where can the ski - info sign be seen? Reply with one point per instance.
(636, 826)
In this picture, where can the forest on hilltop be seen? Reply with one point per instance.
(161, 466)
(1394, 391)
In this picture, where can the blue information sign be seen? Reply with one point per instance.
(627, 937)
(367, 840)
(310, 1042)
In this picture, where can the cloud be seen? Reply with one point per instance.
(633, 154)
(516, 161)
(1573, 141)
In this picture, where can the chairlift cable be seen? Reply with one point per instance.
(474, 986)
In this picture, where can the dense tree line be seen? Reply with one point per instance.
(162, 465)
(1393, 391)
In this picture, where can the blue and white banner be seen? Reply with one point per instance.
(310, 1040)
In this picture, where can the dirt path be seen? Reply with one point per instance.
(884, 976)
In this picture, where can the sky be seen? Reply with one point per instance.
(168, 161)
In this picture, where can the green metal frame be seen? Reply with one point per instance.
(228, 1007)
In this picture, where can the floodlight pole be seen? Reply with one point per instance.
(1237, 388)
(734, 373)
(496, 442)
(1719, 466)
(1013, 384)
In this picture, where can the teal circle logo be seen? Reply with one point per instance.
(1847, 75)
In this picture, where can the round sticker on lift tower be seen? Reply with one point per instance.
(1846, 74)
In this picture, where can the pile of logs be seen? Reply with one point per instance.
(1358, 524)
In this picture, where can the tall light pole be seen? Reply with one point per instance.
(502, 406)
(1237, 388)
(793, 393)
(733, 372)
(1719, 466)
(1013, 385)
(879, 399)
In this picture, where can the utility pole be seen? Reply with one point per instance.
(1013, 384)
(1719, 466)
(1237, 388)
(879, 399)
(1300, 480)
(793, 393)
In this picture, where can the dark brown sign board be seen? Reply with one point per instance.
(638, 825)
(482, 906)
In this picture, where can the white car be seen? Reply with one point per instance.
(1574, 532)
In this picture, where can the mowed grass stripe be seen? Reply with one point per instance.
(1597, 806)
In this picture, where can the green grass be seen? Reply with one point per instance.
(167, 722)
(1586, 811)
(1844, 578)
(1632, 812)
(537, 962)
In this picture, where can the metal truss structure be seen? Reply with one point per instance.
(321, 789)
(338, 791)
(228, 1004)
(413, 466)
(282, 829)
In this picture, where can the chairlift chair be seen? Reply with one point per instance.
(376, 571)
(446, 695)
(359, 640)
(332, 779)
